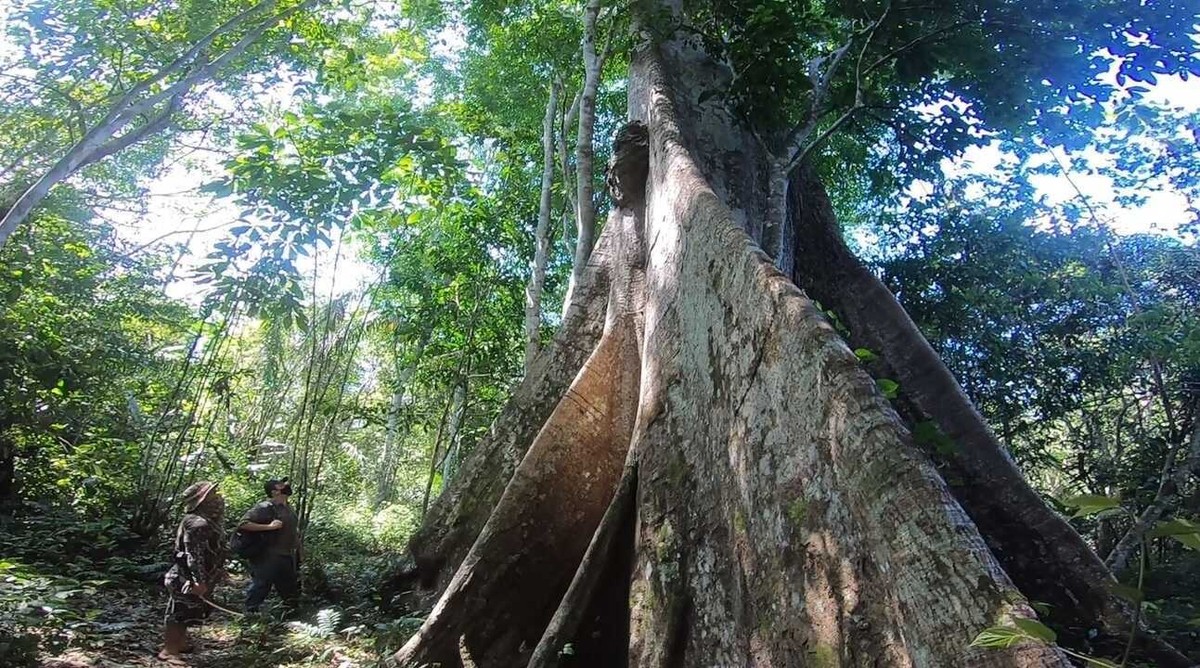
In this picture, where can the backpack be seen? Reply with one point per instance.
(251, 544)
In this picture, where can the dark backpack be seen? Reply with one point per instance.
(250, 544)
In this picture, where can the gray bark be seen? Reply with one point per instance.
(1036, 546)
(458, 411)
(541, 249)
(585, 208)
(456, 517)
(783, 516)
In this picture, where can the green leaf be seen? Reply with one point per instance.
(889, 387)
(1035, 629)
(1189, 540)
(1090, 504)
(998, 637)
(927, 435)
(1126, 592)
(1041, 607)
(1174, 527)
(865, 355)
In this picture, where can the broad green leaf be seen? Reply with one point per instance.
(1035, 629)
(1128, 593)
(1090, 504)
(1174, 527)
(889, 387)
(865, 355)
(1189, 540)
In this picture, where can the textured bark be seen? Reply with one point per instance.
(456, 517)
(783, 516)
(780, 514)
(511, 581)
(1037, 547)
(585, 215)
(541, 237)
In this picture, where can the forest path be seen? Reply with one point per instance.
(118, 624)
(124, 630)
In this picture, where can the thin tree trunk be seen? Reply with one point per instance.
(568, 173)
(8, 466)
(541, 249)
(386, 480)
(454, 434)
(585, 208)
(102, 141)
(1174, 477)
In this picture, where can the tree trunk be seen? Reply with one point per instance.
(541, 239)
(458, 412)
(1172, 481)
(585, 216)
(8, 466)
(1037, 547)
(782, 514)
(456, 517)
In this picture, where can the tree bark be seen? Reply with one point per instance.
(585, 216)
(1037, 547)
(782, 515)
(457, 516)
(541, 247)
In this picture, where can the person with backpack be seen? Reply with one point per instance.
(197, 564)
(269, 538)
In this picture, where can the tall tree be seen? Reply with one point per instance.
(720, 462)
(146, 90)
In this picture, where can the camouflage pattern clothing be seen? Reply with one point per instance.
(200, 544)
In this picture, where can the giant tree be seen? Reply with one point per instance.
(698, 471)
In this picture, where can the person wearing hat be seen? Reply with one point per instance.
(275, 566)
(197, 564)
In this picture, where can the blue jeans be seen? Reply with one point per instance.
(272, 570)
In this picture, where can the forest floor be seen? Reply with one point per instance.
(118, 624)
(82, 594)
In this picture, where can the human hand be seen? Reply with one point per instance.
(197, 588)
(275, 524)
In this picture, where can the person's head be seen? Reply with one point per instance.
(277, 490)
(202, 498)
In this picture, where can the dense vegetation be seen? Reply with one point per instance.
(405, 147)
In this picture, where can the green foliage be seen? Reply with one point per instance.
(1090, 504)
(87, 329)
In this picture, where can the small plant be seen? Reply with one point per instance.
(1086, 505)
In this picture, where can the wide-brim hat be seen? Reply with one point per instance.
(196, 493)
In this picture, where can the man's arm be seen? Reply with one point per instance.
(260, 518)
(253, 527)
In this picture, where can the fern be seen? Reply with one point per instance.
(326, 626)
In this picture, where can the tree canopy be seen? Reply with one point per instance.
(405, 199)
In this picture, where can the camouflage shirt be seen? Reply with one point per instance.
(203, 546)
